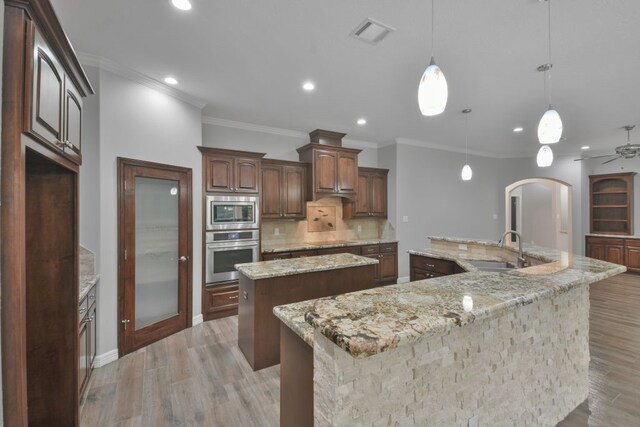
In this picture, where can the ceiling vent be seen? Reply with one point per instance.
(371, 31)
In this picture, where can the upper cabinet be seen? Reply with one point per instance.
(371, 196)
(283, 189)
(611, 203)
(230, 171)
(53, 103)
(334, 169)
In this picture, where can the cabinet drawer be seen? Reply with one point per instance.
(303, 254)
(224, 299)
(633, 243)
(432, 264)
(604, 241)
(341, 250)
(276, 256)
(370, 249)
(388, 247)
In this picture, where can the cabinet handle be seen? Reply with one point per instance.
(430, 265)
(245, 295)
(234, 297)
(60, 144)
(67, 144)
(82, 310)
(92, 296)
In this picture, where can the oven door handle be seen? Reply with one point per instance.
(226, 246)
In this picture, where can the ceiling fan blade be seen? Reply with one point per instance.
(609, 161)
(594, 157)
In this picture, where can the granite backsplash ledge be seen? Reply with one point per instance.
(291, 232)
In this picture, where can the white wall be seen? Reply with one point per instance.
(90, 169)
(140, 123)
(537, 215)
(282, 147)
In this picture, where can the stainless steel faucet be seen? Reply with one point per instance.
(521, 261)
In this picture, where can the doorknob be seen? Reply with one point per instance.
(183, 258)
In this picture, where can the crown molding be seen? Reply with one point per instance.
(133, 75)
(208, 120)
(441, 147)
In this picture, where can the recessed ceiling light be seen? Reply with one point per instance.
(362, 122)
(308, 86)
(170, 81)
(585, 147)
(181, 4)
(518, 129)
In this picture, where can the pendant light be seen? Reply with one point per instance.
(550, 126)
(432, 91)
(545, 156)
(466, 173)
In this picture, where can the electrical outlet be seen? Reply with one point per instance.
(405, 219)
(359, 227)
(495, 216)
(276, 231)
(463, 247)
(473, 421)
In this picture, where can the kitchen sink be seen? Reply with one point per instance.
(496, 266)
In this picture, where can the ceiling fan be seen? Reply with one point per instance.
(627, 151)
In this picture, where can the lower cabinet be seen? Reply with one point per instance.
(220, 300)
(423, 267)
(623, 251)
(87, 330)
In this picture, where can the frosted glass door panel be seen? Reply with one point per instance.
(157, 246)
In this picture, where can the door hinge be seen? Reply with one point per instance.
(125, 254)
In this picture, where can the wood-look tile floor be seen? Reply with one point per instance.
(199, 377)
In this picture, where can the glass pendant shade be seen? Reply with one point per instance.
(433, 91)
(550, 127)
(545, 156)
(466, 173)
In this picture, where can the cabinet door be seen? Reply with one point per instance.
(377, 273)
(72, 121)
(325, 171)
(362, 203)
(596, 251)
(632, 258)
(91, 345)
(219, 174)
(388, 266)
(378, 195)
(46, 95)
(614, 254)
(246, 175)
(293, 192)
(220, 301)
(347, 172)
(83, 344)
(271, 191)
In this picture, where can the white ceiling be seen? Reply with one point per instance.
(248, 59)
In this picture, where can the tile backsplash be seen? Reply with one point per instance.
(290, 231)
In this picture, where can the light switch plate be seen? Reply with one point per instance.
(495, 216)
(463, 247)
(473, 421)
(359, 227)
(405, 219)
(276, 231)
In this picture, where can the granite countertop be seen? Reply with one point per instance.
(289, 267)
(323, 245)
(617, 236)
(368, 322)
(86, 282)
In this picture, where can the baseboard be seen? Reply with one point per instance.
(106, 358)
(404, 279)
(197, 320)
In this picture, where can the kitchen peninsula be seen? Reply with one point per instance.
(504, 347)
(263, 285)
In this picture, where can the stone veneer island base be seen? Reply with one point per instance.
(411, 354)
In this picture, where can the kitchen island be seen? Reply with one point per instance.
(508, 348)
(263, 285)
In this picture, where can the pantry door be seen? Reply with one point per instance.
(154, 252)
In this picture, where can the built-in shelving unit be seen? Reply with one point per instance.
(611, 203)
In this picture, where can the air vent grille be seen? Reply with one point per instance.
(371, 31)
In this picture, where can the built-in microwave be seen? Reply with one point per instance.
(232, 212)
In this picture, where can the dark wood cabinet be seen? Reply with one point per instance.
(424, 267)
(53, 109)
(371, 196)
(220, 300)
(623, 251)
(272, 256)
(230, 171)
(88, 329)
(283, 189)
(40, 176)
(611, 203)
(334, 170)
